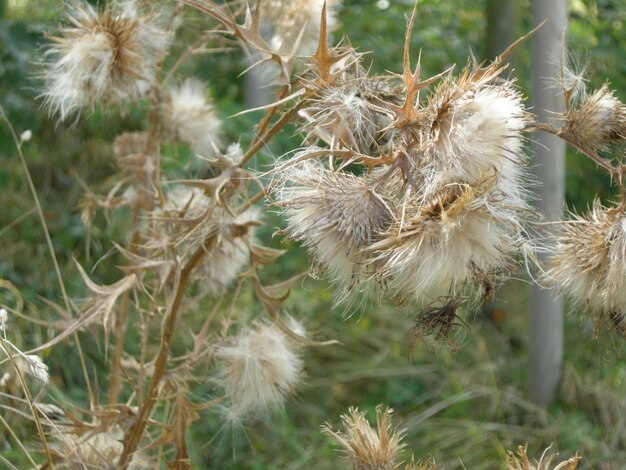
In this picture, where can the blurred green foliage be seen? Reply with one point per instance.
(459, 403)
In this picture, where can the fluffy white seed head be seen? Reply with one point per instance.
(190, 117)
(93, 450)
(457, 240)
(477, 129)
(588, 262)
(108, 56)
(336, 215)
(261, 367)
(348, 115)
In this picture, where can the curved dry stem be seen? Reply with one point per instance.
(18, 145)
(31, 403)
(601, 162)
(133, 437)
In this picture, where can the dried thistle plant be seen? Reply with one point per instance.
(521, 461)
(407, 189)
(441, 186)
(365, 447)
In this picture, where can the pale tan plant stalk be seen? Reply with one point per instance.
(42, 220)
(135, 433)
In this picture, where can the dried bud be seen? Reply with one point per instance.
(588, 261)
(598, 120)
(26, 135)
(521, 461)
(367, 448)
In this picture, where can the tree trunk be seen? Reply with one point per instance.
(546, 312)
(502, 26)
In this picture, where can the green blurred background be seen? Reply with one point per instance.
(463, 403)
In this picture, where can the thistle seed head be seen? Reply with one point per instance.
(190, 117)
(336, 215)
(108, 56)
(348, 115)
(442, 242)
(588, 261)
(475, 127)
(365, 447)
(598, 120)
(262, 366)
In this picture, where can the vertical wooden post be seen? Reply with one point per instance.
(546, 312)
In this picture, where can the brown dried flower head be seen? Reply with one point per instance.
(588, 262)
(521, 461)
(108, 56)
(365, 447)
(598, 120)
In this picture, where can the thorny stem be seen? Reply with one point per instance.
(616, 172)
(602, 162)
(133, 437)
(264, 123)
(120, 323)
(261, 141)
